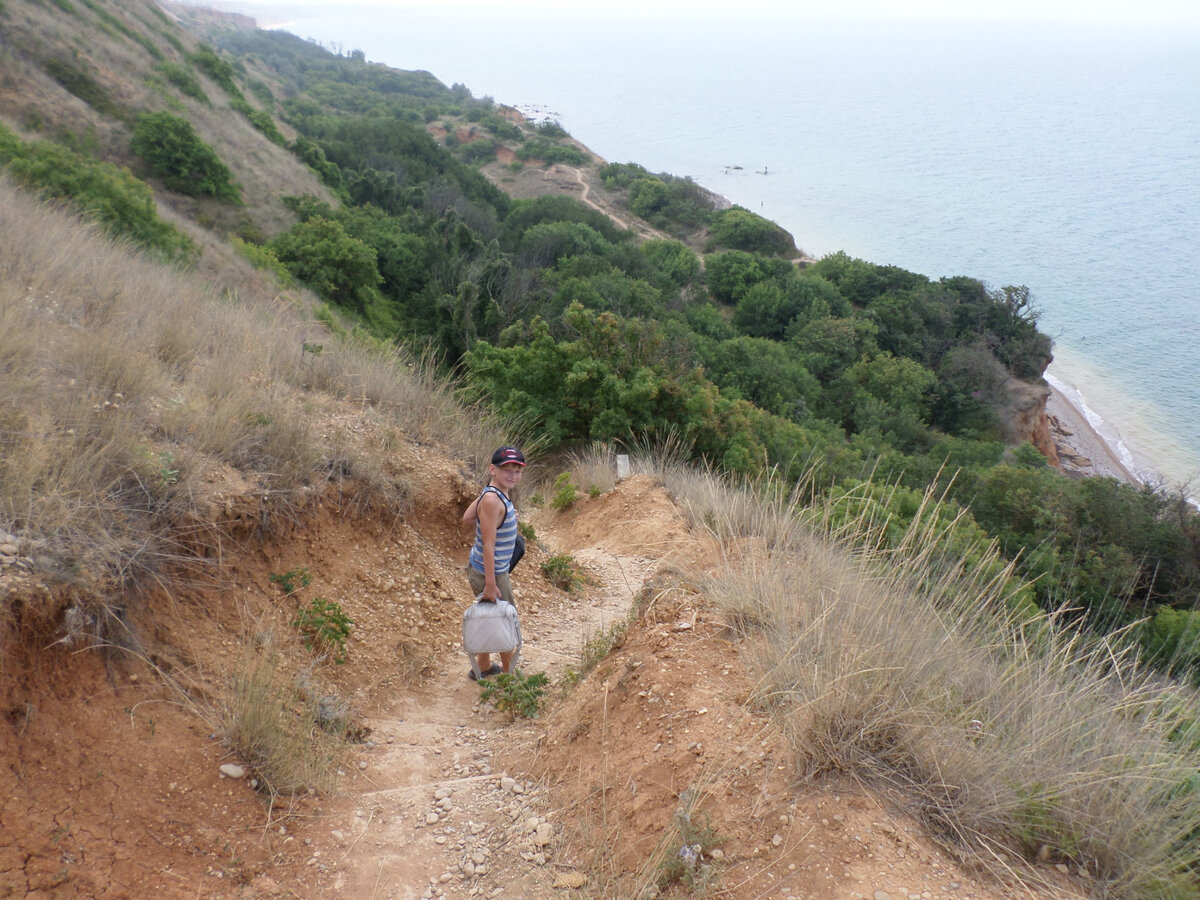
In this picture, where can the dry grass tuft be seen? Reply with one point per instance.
(293, 738)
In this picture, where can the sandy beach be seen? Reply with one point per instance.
(1081, 450)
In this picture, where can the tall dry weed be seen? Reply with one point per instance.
(290, 739)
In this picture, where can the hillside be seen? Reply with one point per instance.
(114, 787)
(253, 298)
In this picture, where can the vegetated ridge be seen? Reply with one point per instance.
(231, 484)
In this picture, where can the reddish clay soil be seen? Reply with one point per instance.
(112, 785)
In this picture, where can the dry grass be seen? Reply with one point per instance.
(901, 665)
(288, 734)
(128, 389)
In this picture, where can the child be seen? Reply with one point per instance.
(495, 521)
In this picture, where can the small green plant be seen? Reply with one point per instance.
(163, 469)
(526, 531)
(292, 580)
(599, 645)
(593, 491)
(565, 492)
(515, 692)
(325, 626)
(685, 863)
(562, 571)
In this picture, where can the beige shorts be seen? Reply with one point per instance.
(502, 581)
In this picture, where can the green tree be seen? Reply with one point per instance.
(764, 311)
(887, 395)
(829, 346)
(766, 373)
(337, 266)
(401, 255)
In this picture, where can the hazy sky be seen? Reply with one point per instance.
(1178, 12)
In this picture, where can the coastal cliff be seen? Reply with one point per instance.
(1030, 421)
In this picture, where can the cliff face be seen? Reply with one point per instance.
(1028, 420)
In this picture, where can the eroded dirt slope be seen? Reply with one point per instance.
(112, 786)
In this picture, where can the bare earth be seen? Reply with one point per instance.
(112, 786)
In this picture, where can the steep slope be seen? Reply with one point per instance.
(280, 476)
(114, 787)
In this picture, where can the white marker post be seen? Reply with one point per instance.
(622, 466)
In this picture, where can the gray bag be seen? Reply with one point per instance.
(491, 628)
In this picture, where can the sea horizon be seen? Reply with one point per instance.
(1056, 157)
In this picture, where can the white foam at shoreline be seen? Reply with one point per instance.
(1075, 397)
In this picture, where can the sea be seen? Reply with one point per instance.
(1064, 157)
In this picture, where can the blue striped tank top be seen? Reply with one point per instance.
(506, 536)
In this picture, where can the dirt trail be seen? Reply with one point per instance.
(447, 799)
(435, 810)
(635, 224)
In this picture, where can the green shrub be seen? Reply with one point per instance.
(262, 92)
(325, 626)
(522, 695)
(565, 492)
(261, 120)
(562, 571)
(548, 128)
(1171, 640)
(548, 152)
(122, 203)
(740, 229)
(336, 265)
(206, 59)
(479, 151)
(174, 152)
(83, 86)
(263, 257)
(502, 128)
(184, 79)
(314, 157)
